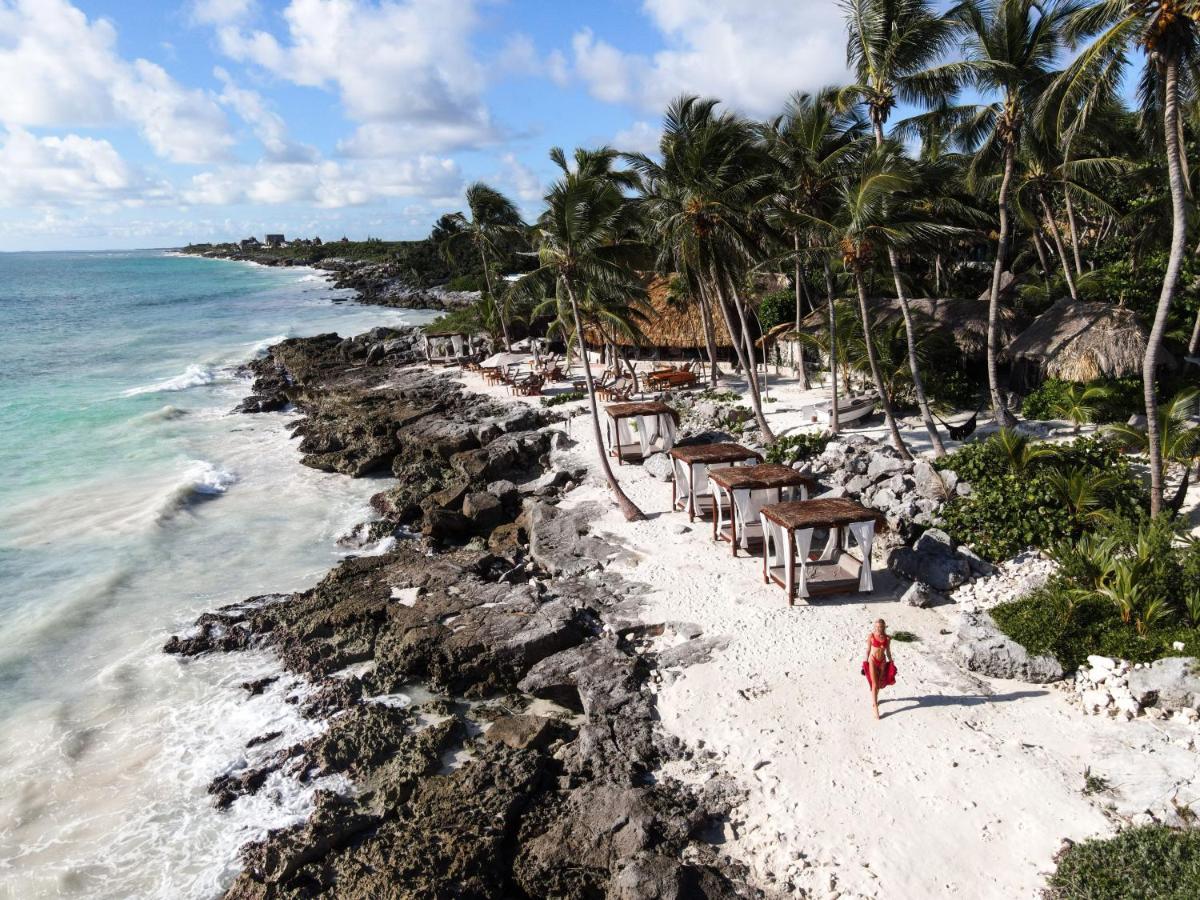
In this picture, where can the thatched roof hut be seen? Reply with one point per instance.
(963, 318)
(1079, 342)
(669, 325)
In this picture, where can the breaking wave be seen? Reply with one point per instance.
(194, 376)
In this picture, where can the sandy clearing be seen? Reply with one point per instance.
(966, 787)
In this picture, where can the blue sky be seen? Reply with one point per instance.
(131, 123)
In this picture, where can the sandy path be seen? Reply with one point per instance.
(966, 787)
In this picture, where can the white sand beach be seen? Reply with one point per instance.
(967, 786)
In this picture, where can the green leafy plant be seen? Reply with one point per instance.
(795, 447)
(904, 637)
(1028, 494)
(1154, 861)
(1077, 404)
(560, 399)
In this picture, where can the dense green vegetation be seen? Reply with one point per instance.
(1149, 863)
(1129, 589)
(1026, 493)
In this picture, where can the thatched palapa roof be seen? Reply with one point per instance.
(666, 326)
(1079, 342)
(963, 318)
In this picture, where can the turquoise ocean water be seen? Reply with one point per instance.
(131, 501)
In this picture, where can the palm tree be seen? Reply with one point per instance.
(1168, 32)
(493, 218)
(1044, 171)
(1177, 438)
(1009, 50)
(584, 245)
(702, 201)
(1076, 404)
(891, 46)
(865, 225)
(810, 143)
(1020, 452)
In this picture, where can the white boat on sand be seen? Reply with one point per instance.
(849, 410)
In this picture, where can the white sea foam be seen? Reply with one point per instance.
(260, 348)
(201, 481)
(194, 376)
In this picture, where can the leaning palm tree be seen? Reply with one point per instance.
(891, 46)
(493, 219)
(702, 200)
(1168, 32)
(584, 246)
(864, 226)
(1177, 438)
(1009, 51)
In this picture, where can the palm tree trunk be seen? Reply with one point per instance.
(710, 335)
(1052, 227)
(1000, 412)
(802, 372)
(869, 340)
(747, 366)
(1194, 342)
(1170, 279)
(1074, 232)
(937, 275)
(755, 385)
(834, 424)
(935, 438)
(487, 278)
(628, 508)
(1041, 252)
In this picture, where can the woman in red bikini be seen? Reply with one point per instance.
(878, 666)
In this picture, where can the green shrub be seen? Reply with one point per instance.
(470, 282)
(776, 308)
(1042, 400)
(1154, 863)
(795, 447)
(560, 399)
(1056, 622)
(1018, 500)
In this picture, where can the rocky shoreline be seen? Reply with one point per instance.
(535, 768)
(374, 283)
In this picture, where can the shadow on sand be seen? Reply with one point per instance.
(933, 700)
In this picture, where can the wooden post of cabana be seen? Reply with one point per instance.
(741, 492)
(787, 534)
(691, 467)
(654, 422)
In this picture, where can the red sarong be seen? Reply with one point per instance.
(887, 677)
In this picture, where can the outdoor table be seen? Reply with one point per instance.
(655, 425)
(787, 534)
(744, 490)
(691, 466)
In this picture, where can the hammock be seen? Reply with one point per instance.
(966, 429)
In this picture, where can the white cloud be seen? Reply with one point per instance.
(327, 184)
(400, 63)
(268, 126)
(522, 179)
(67, 171)
(641, 137)
(61, 70)
(751, 55)
(222, 12)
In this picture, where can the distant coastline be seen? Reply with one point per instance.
(400, 274)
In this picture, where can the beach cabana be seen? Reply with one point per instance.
(653, 422)
(1080, 342)
(788, 532)
(741, 492)
(447, 346)
(692, 466)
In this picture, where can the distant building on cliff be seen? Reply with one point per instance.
(275, 240)
(250, 243)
